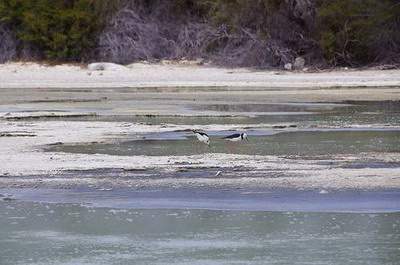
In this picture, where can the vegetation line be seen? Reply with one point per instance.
(251, 33)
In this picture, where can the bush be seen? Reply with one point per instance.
(8, 44)
(256, 33)
(56, 29)
(358, 32)
(252, 14)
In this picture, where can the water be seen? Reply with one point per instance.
(303, 143)
(243, 199)
(313, 129)
(40, 233)
(215, 222)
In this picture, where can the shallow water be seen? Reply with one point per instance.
(304, 115)
(39, 233)
(305, 133)
(146, 224)
(241, 199)
(304, 143)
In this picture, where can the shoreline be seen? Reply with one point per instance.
(141, 75)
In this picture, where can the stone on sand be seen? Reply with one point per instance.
(103, 66)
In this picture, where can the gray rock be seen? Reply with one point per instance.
(299, 63)
(288, 66)
(8, 199)
(105, 66)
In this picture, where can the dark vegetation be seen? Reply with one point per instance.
(258, 33)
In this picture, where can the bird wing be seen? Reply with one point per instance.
(236, 135)
(202, 134)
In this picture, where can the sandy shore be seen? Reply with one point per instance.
(32, 75)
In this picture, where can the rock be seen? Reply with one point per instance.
(105, 189)
(299, 63)
(105, 67)
(288, 66)
(387, 67)
(56, 143)
(8, 199)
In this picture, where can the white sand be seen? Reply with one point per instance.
(32, 75)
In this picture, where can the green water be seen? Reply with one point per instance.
(38, 233)
(304, 143)
(306, 137)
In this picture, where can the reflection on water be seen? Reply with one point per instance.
(272, 108)
(304, 114)
(33, 233)
(344, 107)
(330, 119)
(287, 143)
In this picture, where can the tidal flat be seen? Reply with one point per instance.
(114, 175)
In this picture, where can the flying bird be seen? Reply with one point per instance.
(202, 137)
(236, 137)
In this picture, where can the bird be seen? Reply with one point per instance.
(202, 137)
(236, 137)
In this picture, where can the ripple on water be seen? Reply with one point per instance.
(201, 237)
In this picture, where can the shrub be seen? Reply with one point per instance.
(354, 32)
(257, 33)
(260, 33)
(57, 29)
(8, 44)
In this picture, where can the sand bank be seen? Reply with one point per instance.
(32, 75)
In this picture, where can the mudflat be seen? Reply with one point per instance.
(331, 130)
